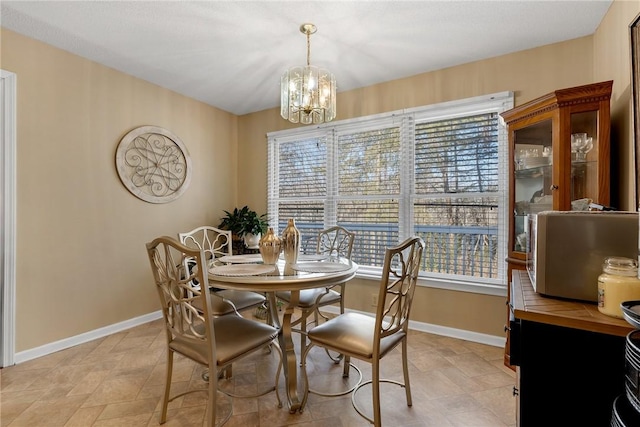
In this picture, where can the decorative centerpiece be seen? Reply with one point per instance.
(270, 247)
(291, 242)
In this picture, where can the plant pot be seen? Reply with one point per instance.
(252, 241)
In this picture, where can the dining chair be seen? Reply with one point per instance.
(216, 243)
(370, 338)
(193, 332)
(334, 241)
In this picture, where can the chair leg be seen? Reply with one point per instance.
(345, 368)
(225, 373)
(375, 384)
(405, 369)
(167, 387)
(228, 372)
(210, 415)
(269, 320)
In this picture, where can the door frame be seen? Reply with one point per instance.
(8, 84)
(634, 41)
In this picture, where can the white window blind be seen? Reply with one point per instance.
(438, 171)
(457, 194)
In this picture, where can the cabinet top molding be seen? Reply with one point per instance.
(595, 92)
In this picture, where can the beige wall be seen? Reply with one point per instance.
(80, 235)
(613, 62)
(81, 262)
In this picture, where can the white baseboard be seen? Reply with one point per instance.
(43, 350)
(34, 353)
(496, 341)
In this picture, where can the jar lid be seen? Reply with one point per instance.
(620, 266)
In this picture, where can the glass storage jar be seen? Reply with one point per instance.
(618, 282)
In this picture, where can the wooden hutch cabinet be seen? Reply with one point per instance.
(559, 157)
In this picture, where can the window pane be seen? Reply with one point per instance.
(375, 223)
(457, 155)
(461, 235)
(303, 168)
(429, 171)
(309, 217)
(369, 162)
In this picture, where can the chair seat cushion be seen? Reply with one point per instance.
(352, 333)
(235, 336)
(308, 297)
(240, 299)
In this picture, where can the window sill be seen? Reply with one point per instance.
(451, 285)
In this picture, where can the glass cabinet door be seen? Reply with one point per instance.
(584, 159)
(533, 159)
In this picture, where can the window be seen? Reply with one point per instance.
(437, 171)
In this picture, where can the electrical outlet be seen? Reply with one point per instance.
(374, 300)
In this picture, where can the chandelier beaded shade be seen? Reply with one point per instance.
(308, 94)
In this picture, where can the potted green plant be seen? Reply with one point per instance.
(232, 221)
(246, 224)
(252, 223)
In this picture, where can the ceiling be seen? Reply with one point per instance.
(230, 54)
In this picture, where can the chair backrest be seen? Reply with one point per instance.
(214, 242)
(335, 241)
(184, 322)
(397, 286)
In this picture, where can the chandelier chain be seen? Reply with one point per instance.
(308, 48)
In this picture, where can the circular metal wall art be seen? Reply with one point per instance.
(153, 164)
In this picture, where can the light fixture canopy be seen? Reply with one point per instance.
(308, 94)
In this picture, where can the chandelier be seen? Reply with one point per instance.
(308, 94)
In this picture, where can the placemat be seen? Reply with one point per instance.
(241, 270)
(312, 257)
(320, 267)
(241, 259)
(309, 257)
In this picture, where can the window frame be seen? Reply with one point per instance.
(492, 103)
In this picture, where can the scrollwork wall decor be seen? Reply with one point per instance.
(153, 164)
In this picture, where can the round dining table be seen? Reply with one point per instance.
(248, 273)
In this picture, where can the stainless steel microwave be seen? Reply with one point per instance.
(566, 249)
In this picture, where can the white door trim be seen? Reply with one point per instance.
(8, 83)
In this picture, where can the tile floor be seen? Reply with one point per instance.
(118, 381)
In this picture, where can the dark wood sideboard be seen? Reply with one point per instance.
(569, 358)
